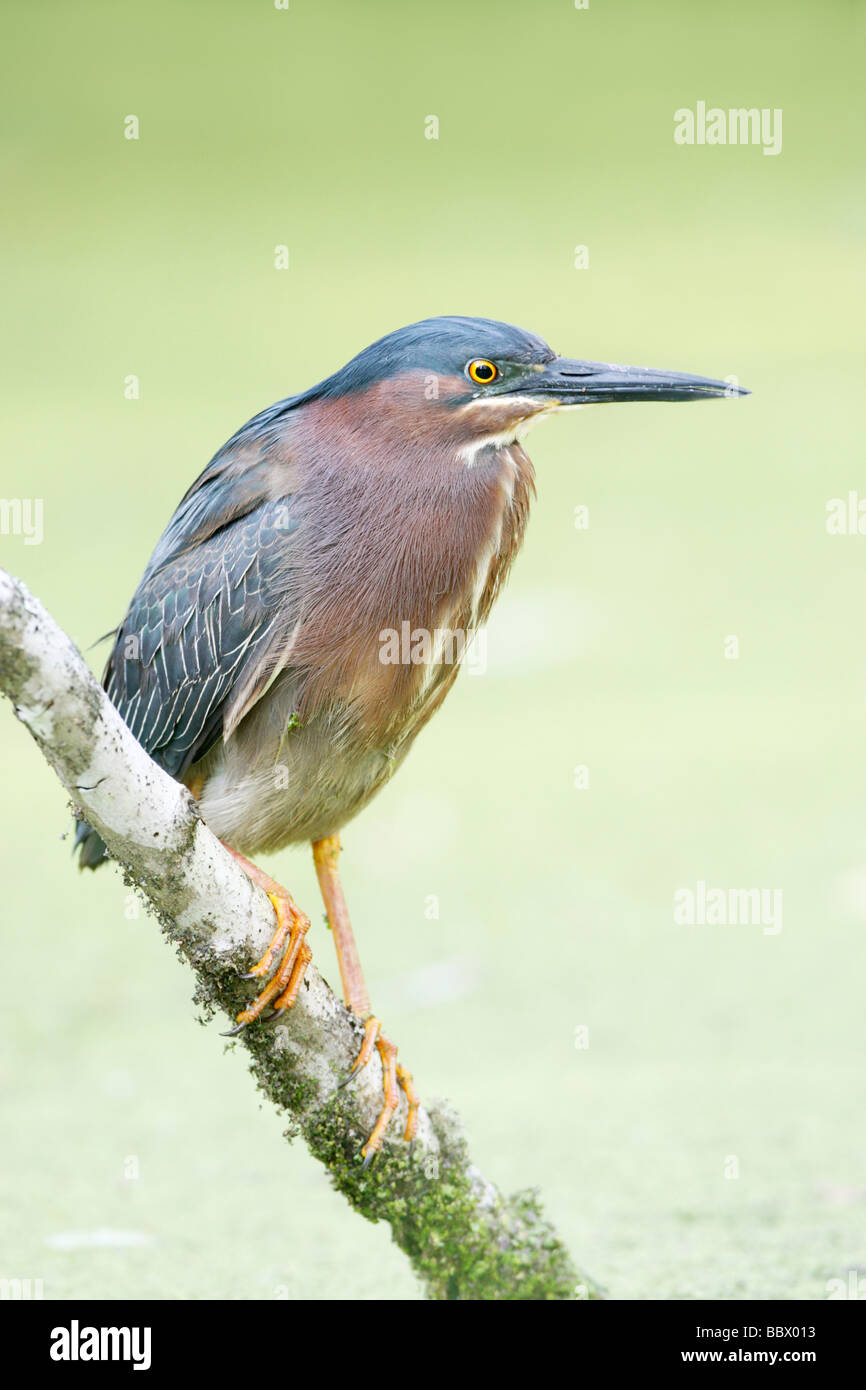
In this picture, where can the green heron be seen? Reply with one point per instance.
(251, 664)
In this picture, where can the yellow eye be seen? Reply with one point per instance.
(482, 371)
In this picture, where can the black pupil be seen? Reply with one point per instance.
(484, 371)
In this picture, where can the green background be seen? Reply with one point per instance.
(155, 258)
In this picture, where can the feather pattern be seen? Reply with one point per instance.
(201, 623)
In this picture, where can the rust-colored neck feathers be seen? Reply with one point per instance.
(410, 513)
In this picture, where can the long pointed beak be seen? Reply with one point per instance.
(570, 382)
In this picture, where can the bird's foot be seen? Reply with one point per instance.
(287, 944)
(395, 1078)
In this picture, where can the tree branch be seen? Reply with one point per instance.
(463, 1238)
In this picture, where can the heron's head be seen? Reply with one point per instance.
(489, 380)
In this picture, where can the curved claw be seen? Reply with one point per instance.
(233, 1032)
(266, 1022)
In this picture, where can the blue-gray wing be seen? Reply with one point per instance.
(207, 627)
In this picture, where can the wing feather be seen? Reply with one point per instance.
(204, 626)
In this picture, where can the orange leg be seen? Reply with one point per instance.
(288, 943)
(326, 855)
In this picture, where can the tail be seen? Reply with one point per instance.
(94, 850)
(93, 847)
